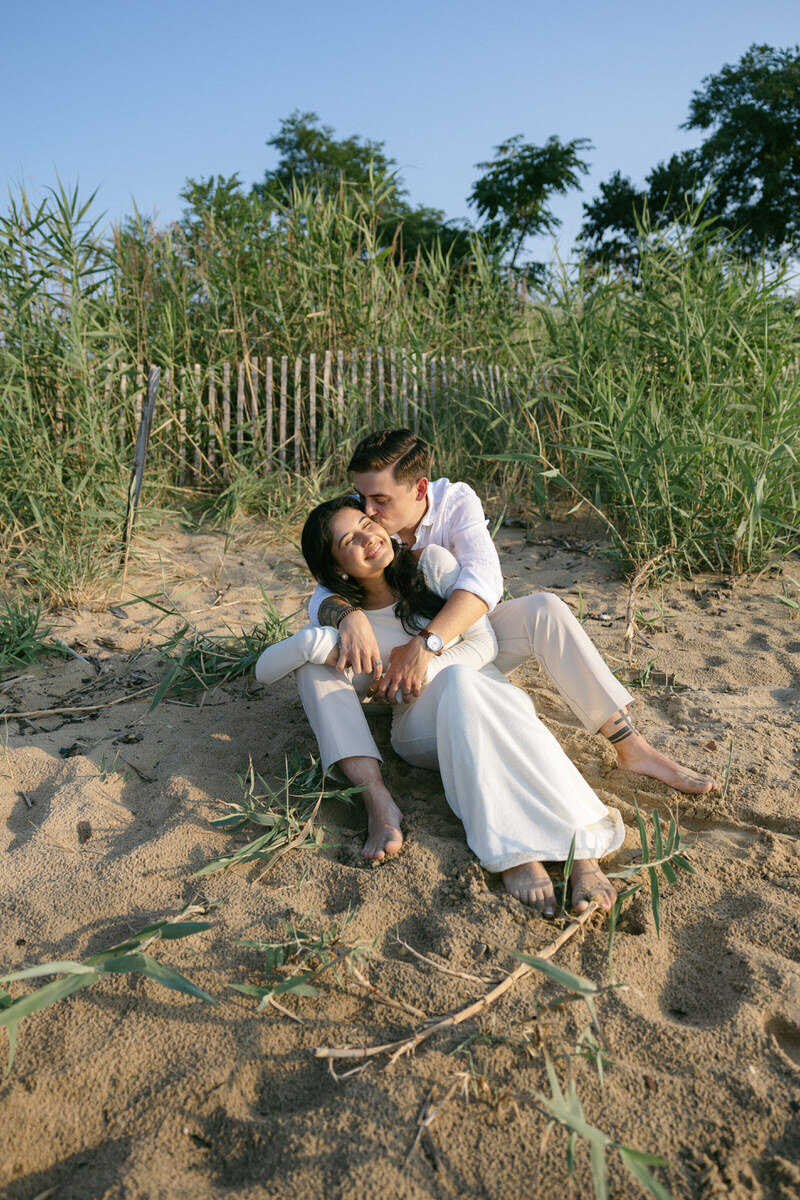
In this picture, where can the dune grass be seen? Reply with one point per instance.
(667, 403)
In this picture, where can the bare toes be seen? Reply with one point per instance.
(591, 884)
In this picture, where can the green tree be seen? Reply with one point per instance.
(613, 220)
(747, 171)
(513, 194)
(310, 156)
(752, 153)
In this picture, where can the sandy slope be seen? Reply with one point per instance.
(128, 1090)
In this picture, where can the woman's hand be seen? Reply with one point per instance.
(358, 648)
(406, 672)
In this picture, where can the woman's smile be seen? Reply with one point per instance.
(360, 546)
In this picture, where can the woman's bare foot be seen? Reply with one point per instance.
(589, 883)
(383, 822)
(530, 883)
(383, 815)
(637, 755)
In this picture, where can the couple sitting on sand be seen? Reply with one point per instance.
(409, 599)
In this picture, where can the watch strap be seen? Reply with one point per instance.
(425, 634)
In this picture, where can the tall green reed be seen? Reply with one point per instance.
(675, 407)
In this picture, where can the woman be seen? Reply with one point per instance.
(520, 798)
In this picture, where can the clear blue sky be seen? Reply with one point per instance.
(133, 98)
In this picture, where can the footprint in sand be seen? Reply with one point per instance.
(787, 1036)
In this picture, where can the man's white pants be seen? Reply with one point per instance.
(539, 626)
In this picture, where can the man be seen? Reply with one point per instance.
(390, 470)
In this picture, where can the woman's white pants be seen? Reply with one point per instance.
(539, 626)
(505, 776)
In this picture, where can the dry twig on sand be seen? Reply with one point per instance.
(397, 1049)
(641, 575)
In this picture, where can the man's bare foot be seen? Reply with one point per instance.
(589, 883)
(530, 883)
(383, 822)
(637, 755)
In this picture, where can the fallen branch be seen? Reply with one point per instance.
(384, 998)
(397, 1049)
(57, 712)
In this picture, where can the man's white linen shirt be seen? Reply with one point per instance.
(454, 519)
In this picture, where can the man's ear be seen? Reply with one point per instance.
(421, 489)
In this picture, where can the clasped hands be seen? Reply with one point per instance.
(392, 683)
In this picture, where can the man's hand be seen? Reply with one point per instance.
(357, 646)
(406, 671)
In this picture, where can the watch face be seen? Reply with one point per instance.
(434, 642)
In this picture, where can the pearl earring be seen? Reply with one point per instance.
(344, 578)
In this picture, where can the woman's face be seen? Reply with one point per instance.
(361, 548)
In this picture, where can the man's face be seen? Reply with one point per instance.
(395, 505)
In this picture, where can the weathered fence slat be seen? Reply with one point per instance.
(326, 400)
(240, 410)
(212, 419)
(404, 392)
(282, 413)
(256, 427)
(181, 431)
(372, 386)
(298, 409)
(393, 380)
(268, 408)
(381, 388)
(226, 417)
(198, 416)
(340, 388)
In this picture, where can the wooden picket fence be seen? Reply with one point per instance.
(292, 414)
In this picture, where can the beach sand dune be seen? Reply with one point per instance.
(128, 1091)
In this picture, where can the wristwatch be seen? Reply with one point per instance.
(432, 641)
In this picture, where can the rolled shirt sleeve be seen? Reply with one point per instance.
(465, 533)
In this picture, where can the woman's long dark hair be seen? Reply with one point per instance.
(416, 604)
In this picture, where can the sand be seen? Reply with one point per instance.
(129, 1090)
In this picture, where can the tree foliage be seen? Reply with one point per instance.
(752, 153)
(310, 156)
(747, 172)
(312, 159)
(514, 193)
(613, 220)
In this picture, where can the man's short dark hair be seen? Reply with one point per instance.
(401, 449)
